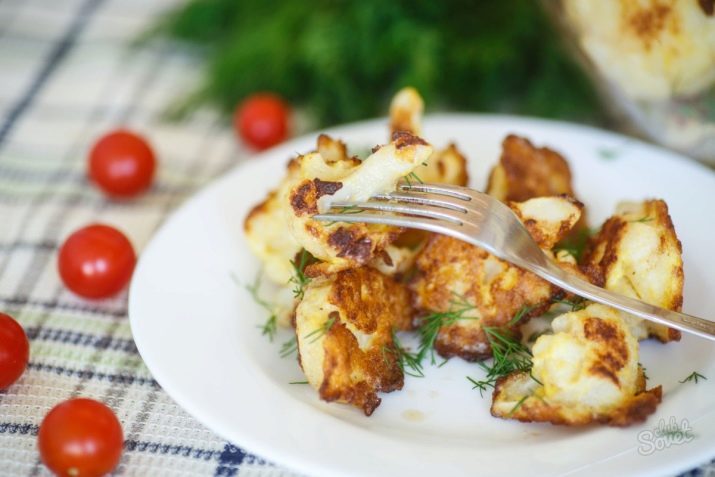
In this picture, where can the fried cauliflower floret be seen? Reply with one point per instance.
(406, 109)
(340, 245)
(444, 166)
(266, 229)
(344, 327)
(525, 172)
(267, 232)
(638, 254)
(498, 289)
(652, 49)
(586, 372)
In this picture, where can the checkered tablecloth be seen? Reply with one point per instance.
(66, 76)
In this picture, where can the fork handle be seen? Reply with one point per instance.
(551, 272)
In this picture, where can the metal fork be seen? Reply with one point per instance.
(485, 222)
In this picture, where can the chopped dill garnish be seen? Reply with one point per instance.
(575, 244)
(270, 326)
(412, 177)
(694, 376)
(431, 324)
(289, 347)
(642, 220)
(299, 279)
(645, 375)
(408, 362)
(521, 313)
(516, 406)
(577, 304)
(316, 334)
(298, 382)
(347, 210)
(509, 355)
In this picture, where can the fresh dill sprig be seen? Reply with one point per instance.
(299, 279)
(645, 375)
(694, 376)
(270, 326)
(431, 324)
(321, 330)
(347, 210)
(412, 177)
(408, 362)
(577, 304)
(642, 220)
(516, 406)
(509, 355)
(575, 244)
(298, 382)
(289, 347)
(520, 314)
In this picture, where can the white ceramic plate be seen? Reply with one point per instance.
(197, 331)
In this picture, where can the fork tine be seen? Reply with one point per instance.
(425, 199)
(432, 225)
(441, 189)
(428, 211)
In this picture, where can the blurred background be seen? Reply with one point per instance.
(645, 67)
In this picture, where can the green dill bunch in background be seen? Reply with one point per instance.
(341, 61)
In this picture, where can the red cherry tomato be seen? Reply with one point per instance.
(262, 120)
(96, 261)
(80, 437)
(14, 351)
(122, 164)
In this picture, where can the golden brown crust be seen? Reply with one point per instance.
(497, 289)
(608, 260)
(355, 356)
(648, 21)
(366, 296)
(446, 166)
(545, 233)
(507, 404)
(343, 357)
(403, 139)
(525, 172)
(614, 354)
(334, 150)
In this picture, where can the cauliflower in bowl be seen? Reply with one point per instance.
(586, 372)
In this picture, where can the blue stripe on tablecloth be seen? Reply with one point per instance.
(56, 305)
(62, 47)
(229, 460)
(161, 448)
(16, 428)
(81, 339)
(86, 374)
